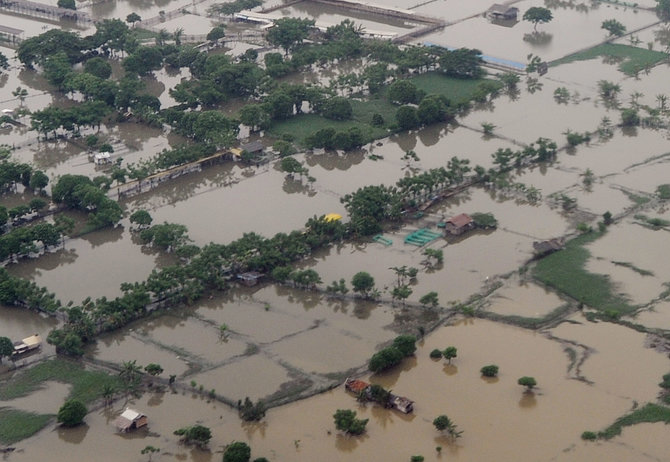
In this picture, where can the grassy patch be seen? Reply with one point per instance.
(303, 125)
(655, 223)
(457, 90)
(564, 271)
(17, 425)
(650, 413)
(636, 198)
(631, 59)
(86, 385)
(640, 271)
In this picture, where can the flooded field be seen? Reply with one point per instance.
(553, 416)
(277, 343)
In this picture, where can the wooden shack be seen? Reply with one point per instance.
(249, 279)
(543, 248)
(129, 420)
(501, 12)
(458, 224)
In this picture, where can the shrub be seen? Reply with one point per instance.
(237, 451)
(72, 413)
(406, 344)
(385, 359)
(589, 436)
(436, 354)
(489, 371)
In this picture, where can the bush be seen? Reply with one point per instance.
(195, 434)
(385, 359)
(406, 344)
(489, 371)
(72, 413)
(237, 451)
(589, 436)
(346, 421)
(407, 118)
(337, 108)
(436, 354)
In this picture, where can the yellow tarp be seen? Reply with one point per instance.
(332, 217)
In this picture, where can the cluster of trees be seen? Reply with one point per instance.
(21, 242)
(206, 268)
(79, 192)
(330, 138)
(346, 421)
(13, 173)
(197, 435)
(16, 291)
(402, 347)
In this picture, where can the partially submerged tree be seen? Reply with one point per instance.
(346, 421)
(537, 15)
(489, 371)
(195, 434)
(237, 451)
(449, 353)
(72, 413)
(444, 423)
(528, 382)
(6, 347)
(613, 27)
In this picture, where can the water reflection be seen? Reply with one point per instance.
(450, 369)
(73, 435)
(528, 400)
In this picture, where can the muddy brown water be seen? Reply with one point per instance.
(277, 334)
(494, 416)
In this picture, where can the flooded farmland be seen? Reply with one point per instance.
(290, 346)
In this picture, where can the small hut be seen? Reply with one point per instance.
(130, 419)
(254, 148)
(502, 12)
(249, 279)
(458, 224)
(543, 248)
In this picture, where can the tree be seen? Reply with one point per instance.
(72, 413)
(217, 33)
(403, 92)
(449, 353)
(38, 180)
(141, 218)
(432, 109)
(385, 359)
(663, 8)
(237, 451)
(20, 93)
(346, 421)
(69, 4)
(463, 63)
(130, 374)
(6, 347)
(195, 434)
(363, 283)
(153, 369)
(407, 117)
(537, 15)
(630, 117)
(613, 27)
(98, 67)
(401, 293)
(287, 33)
(132, 18)
(430, 299)
(337, 108)
(443, 423)
(250, 412)
(489, 371)
(4, 62)
(528, 382)
(149, 450)
(406, 344)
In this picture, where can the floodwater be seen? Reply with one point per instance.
(280, 342)
(518, 297)
(552, 417)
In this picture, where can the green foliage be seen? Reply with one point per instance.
(403, 92)
(142, 218)
(407, 117)
(489, 371)
(648, 413)
(443, 422)
(287, 33)
(17, 425)
(69, 4)
(589, 436)
(6, 347)
(463, 63)
(449, 353)
(436, 354)
(613, 27)
(631, 59)
(195, 434)
(430, 299)
(484, 220)
(72, 413)
(346, 421)
(385, 359)
(250, 412)
(630, 117)
(528, 382)
(666, 382)
(153, 369)
(537, 15)
(565, 272)
(416, 459)
(337, 108)
(575, 139)
(237, 451)
(663, 191)
(406, 344)
(216, 33)
(166, 236)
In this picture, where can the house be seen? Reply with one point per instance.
(102, 158)
(543, 248)
(458, 224)
(502, 12)
(249, 279)
(27, 344)
(130, 419)
(255, 148)
(358, 387)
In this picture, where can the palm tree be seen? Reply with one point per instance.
(662, 101)
(177, 36)
(130, 374)
(162, 37)
(108, 392)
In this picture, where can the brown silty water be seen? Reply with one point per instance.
(302, 333)
(493, 415)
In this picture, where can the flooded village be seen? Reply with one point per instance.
(333, 230)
